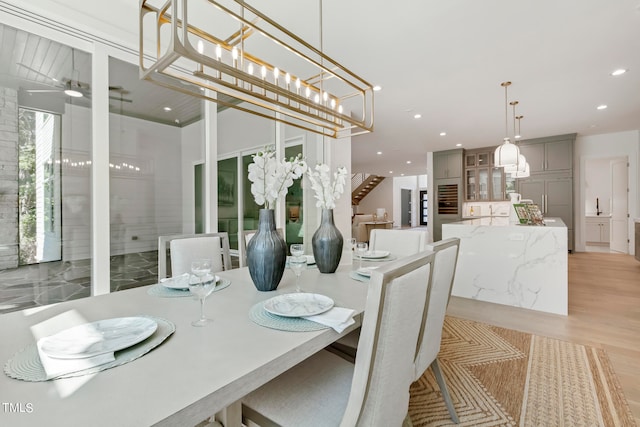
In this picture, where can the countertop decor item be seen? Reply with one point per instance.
(327, 241)
(267, 250)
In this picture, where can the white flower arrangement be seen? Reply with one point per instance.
(327, 192)
(272, 178)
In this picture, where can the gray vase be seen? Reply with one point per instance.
(327, 243)
(266, 253)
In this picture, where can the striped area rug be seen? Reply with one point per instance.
(502, 377)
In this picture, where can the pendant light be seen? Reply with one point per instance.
(520, 172)
(519, 166)
(507, 153)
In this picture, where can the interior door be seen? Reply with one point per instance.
(619, 207)
(405, 201)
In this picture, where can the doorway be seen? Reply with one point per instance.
(606, 205)
(405, 204)
(39, 182)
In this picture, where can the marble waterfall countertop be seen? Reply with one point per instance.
(499, 221)
(506, 263)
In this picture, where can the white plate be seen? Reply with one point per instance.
(298, 304)
(180, 282)
(103, 336)
(365, 271)
(375, 254)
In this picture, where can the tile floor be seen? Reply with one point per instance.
(53, 282)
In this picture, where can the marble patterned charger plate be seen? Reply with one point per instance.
(182, 282)
(100, 337)
(374, 254)
(298, 304)
(25, 365)
(161, 291)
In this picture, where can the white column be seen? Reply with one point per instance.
(338, 154)
(211, 166)
(100, 225)
(279, 136)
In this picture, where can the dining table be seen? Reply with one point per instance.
(193, 374)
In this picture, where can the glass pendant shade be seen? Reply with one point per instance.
(522, 174)
(518, 167)
(506, 154)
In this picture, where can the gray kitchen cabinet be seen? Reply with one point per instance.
(554, 197)
(447, 164)
(545, 155)
(483, 181)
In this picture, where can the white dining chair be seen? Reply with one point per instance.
(399, 242)
(326, 390)
(184, 248)
(247, 235)
(444, 268)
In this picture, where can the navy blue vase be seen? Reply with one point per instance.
(266, 253)
(327, 243)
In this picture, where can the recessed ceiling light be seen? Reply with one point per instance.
(602, 107)
(379, 152)
(401, 174)
(408, 162)
(377, 88)
(167, 109)
(443, 134)
(619, 72)
(458, 145)
(417, 116)
(390, 171)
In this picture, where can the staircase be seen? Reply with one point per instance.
(362, 185)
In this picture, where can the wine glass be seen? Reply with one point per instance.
(297, 249)
(352, 246)
(201, 284)
(361, 248)
(297, 264)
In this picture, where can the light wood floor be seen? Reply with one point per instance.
(604, 312)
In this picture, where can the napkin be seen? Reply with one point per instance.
(338, 318)
(56, 367)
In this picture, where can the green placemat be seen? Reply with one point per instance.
(158, 290)
(262, 317)
(25, 365)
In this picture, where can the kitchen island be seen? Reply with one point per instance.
(519, 265)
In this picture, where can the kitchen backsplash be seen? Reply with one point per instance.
(479, 209)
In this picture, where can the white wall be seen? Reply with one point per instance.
(597, 186)
(144, 203)
(379, 197)
(415, 184)
(620, 144)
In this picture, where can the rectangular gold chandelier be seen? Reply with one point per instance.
(259, 67)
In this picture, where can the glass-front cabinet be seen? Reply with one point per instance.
(483, 181)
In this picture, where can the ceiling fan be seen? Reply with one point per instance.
(72, 87)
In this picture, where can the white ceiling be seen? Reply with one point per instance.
(446, 59)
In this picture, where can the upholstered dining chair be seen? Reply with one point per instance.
(247, 235)
(399, 242)
(444, 268)
(326, 390)
(183, 248)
